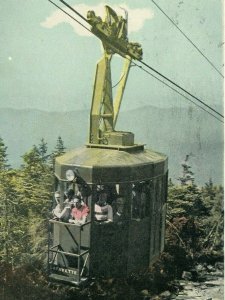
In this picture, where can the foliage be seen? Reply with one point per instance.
(194, 229)
(195, 218)
(25, 199)
(185, 201)
(59, 150)
(42, 149)
(36, 184)
(3, 156)
(10, 233)
(213, 224)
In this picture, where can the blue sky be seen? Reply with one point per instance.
(46, 63)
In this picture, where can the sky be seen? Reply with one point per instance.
(47, 61)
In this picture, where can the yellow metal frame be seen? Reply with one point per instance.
(104, 109)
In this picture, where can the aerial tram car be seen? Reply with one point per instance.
(122, 185)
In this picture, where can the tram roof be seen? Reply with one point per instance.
(91, 157)
(103, 166)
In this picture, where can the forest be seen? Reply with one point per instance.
(194, 234)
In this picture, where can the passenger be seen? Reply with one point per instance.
(70, 194)
(139, 201)
(80, 212)
(62, 211)
(135, 203)
(112, 193)
(119, 209)
(103, 211)
(84, 192)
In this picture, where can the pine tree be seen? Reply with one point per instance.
(37, 182)
(35, 188)
(42, 148)
(187, 177)
(195, 218)
(185, 201)
(213, 223)
(10, 233)
(59, 150)
(3, 156)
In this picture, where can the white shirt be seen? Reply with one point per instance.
(104, 213)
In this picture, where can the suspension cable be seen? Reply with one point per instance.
(177, 85)
(188, 39)
(146, 65)
(71, 16)
(177, 92)
(74, 10)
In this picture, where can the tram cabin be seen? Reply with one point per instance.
(123, 197)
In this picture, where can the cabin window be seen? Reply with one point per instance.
(110, 204)
(140, 200)
(72, 202)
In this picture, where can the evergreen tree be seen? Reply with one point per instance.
(195, 218)
(5, 217)
(187, 177)
(10, 233)
(3, 156)
(59, 150)
(185, 201)
(42, 147)
(38, 237)
(35, 189)
(185, 208)
(213, 223)
(37, 183)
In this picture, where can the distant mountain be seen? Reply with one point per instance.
(173, 131)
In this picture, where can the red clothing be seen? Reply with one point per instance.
(80, 213)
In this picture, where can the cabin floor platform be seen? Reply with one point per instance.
(67, 279)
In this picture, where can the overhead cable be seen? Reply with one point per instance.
(145, 64)
(177, 85)
(71, 16)
(177, 92)
(188, 39)
(74, 10)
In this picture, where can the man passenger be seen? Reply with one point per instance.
(61, 212)
(119, 213)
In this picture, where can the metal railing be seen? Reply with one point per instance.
(55, 250)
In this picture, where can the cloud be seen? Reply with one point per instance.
(136, 17)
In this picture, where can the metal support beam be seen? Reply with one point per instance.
(120, 90)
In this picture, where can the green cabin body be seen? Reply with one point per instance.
(118, 248)
(134, 180)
